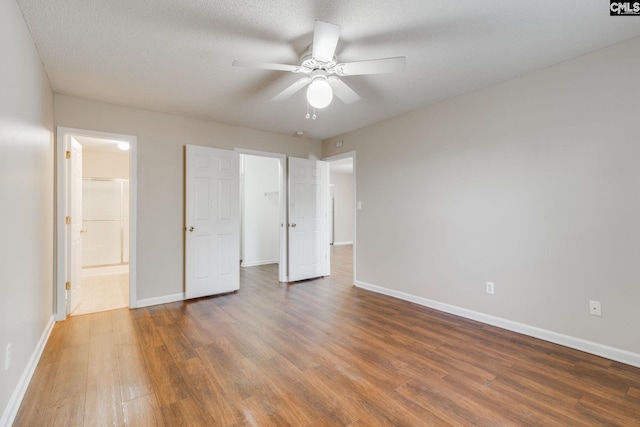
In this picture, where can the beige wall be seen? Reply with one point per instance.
(532, 184)
(343, 205)
(161, 140)
(26, 191)
(105, 164)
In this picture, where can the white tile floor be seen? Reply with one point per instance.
(101, 293)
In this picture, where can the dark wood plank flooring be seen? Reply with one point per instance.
(315, 353)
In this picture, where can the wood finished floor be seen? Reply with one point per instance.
(315, 353)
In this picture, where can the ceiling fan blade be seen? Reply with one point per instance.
(266, 66)
(343, 91)
(372, 66)
(289, 91)
(325, 40)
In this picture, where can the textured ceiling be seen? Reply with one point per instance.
(175, 56)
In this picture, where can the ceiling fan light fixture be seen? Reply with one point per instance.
(319, 93)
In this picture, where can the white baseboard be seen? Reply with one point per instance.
(159, 300)
(342, 243)
(102, 271)
(612, 353)
(11, 410)
(255, 263)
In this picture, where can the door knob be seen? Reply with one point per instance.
(191, 228)
(293, 225)
(83, 231)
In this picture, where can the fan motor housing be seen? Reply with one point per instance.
(307, 61)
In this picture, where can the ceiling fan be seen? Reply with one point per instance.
(323, 71)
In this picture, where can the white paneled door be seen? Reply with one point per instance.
(308, 219)
(212, 222)
(74, 229)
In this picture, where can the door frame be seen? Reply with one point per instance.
(283, 267)
(352, 155)
(61, 183)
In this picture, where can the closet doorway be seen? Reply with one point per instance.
(263, 210)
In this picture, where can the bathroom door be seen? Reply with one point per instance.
(74, 228)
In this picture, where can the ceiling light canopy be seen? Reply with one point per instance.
(319, 93)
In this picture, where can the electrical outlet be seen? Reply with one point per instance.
(490, 287)
(594, 308)
(7, 357)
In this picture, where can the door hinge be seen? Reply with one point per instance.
(67, 285)
(67, 220)
(68, 154)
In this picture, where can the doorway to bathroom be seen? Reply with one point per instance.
(95, 232)
(105, 226)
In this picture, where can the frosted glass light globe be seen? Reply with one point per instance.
(319, 93)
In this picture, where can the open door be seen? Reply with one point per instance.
(74, 229)
(212, 222)
(308, 219)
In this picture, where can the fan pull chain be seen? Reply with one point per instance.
(309, 115)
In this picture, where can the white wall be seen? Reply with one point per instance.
(261, 212)
(161, 139)
(26, 191)
(532, 184)
(343, 199)
(104, 164)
